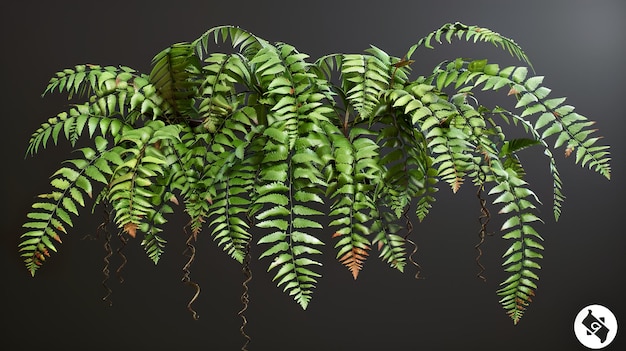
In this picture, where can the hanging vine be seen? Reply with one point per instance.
(483, 221)
(245, 297)
(190, 252)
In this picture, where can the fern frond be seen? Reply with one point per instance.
(390, 244)
(52, 213)
(72, 125)
(554, 118)
(174, 75)
(295, 94)
(163, 199)
(521, 258)
(110, 90)
(470, 33)
(229, 229)
(247, 43)
(532, 99)
(453, 153)
(409, 167)
(130, 189)
(153, 243)
(290, 176)
(85, 80)
(363, 78)
(189, 158)
(509, 149)
(118, 101)
(286, 204)
(222, 72)
(353, 174)
(230, 185)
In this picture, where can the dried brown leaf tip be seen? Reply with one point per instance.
(513, 91)
(174, 199)
(457, 184)
(131, 229)
(354, 259)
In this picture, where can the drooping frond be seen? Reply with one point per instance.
(163, 199)
(229, 183)
(510, 148)
(286, 196)
(130, 188)
(52, 213)
(388, 240)
(353, 171)
(521, 257)
(110, 91)
(224, 132)
(290, 181)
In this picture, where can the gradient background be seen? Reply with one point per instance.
(579, 47)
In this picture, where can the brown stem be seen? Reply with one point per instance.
(190, 252)
(245, 297)
(483, 219)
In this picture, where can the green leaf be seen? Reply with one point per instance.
(305, 238)
(519, 74)
(510, 223)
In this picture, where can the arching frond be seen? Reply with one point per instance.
(88, 79)
(117, 99)
(553, 118)
(246, 42)
(470, 33)
(72, 125)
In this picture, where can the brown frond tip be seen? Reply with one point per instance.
(458, 181)
(196, 226)
(131, 229)
(354, 259)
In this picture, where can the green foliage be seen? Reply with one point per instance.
(260, 144)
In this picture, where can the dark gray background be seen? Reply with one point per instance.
(578, 45)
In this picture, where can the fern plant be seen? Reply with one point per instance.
(260, 145)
